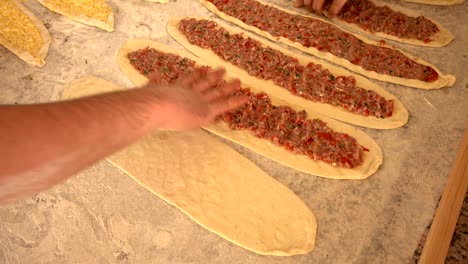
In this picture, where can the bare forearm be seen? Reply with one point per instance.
(43, 144)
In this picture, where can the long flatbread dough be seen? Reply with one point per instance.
(444, 80)
(23, 33)
(215, 186)
(440, 39)
(372, 158)
(437, 2)
(398, 119)
(96, 13)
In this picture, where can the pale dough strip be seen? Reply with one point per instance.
(214, 185)
(443, 81)
(33, 59)
(398, 119)
(372, 159)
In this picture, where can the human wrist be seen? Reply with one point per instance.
(157, 109)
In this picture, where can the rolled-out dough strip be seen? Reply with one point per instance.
(94, 13)
(436, 2)
(23, 33)
(372, 158)
(444, 80)
(215, 186)
(440, 39)
(398, 119)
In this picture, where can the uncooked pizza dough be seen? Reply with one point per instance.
(441, 38)
(398, 119)
(372, 158)
(95, 13)
(436, 2)
(444, 80)
(215, 186)
(23, 33)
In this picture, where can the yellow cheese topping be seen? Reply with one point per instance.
(17, 29)
(97, 9)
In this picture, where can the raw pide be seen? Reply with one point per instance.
(392, 22)
(313, 144)
(325, 40)
(314, 85)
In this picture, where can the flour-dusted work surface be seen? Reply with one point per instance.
(103, 216)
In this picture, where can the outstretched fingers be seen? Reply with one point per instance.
(228, 104)
(209, 81)
(191, 79)
(221, 92)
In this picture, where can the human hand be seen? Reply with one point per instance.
(317, 6)
(195, 100)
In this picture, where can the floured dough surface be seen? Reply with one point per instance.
(215, 186)
(440, 39)
(436, 2)
(398, 119)
(444, 80)
(95, 13)
(372, 158)
(23, 33)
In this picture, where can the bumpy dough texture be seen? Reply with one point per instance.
(398, 119)
(372, 158)
(95, 13)
(215, 186)
(444, 80)
(23, 33)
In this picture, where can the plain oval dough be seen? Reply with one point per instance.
(22, 28)
(441, 38)
(372, 159)
(444, 80)
(398, 119)
(61, 7)
(214, 185)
